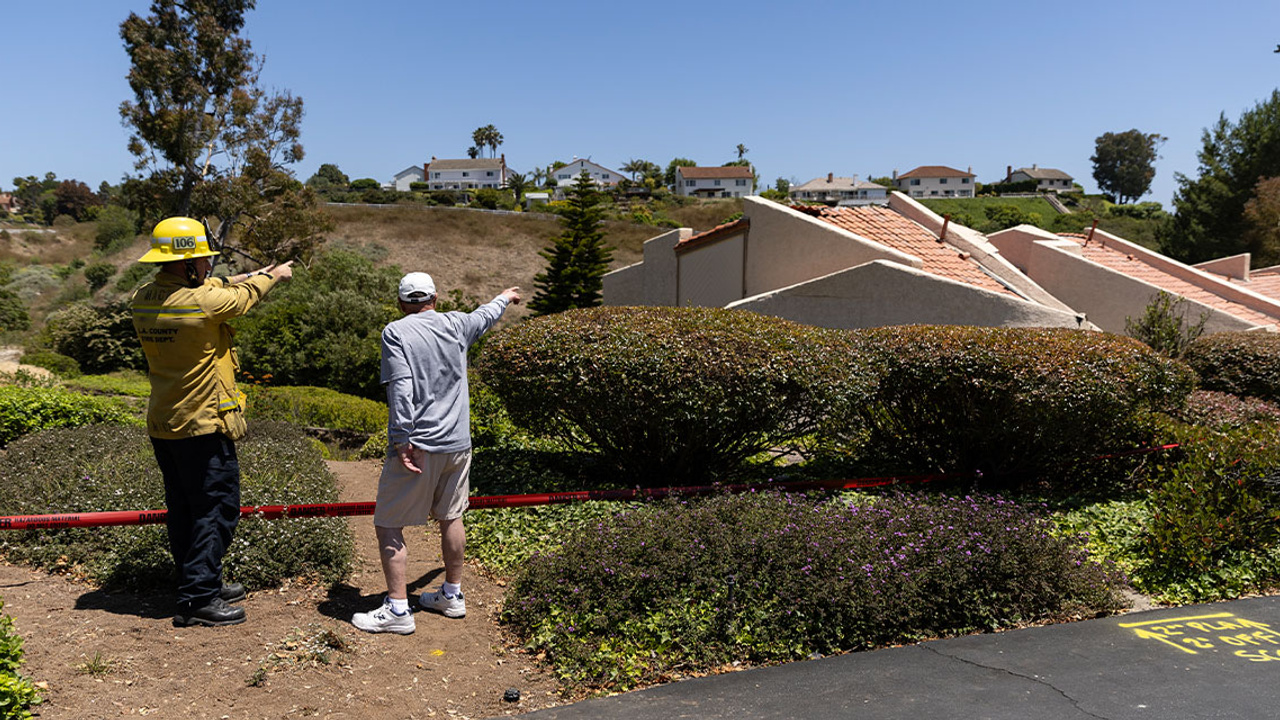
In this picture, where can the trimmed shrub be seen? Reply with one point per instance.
(56, 363)
(1225, 411)
(28, 410)
(17, 694)
(1214, 529)
(670, 395)
(1240, 363)
(1008, 401)
(770, 577)
(134, 276)
(316, 407)
(106, 467)
(101, 339)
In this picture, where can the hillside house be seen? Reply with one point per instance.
(408, 176)
(841, 267)
(1047, 179)
(467, 173)
(840, 191)
(715, 182)
(1110, 279)
(935, 181)
(566, 176)
(8, 203)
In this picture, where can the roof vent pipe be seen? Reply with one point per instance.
(946, 220)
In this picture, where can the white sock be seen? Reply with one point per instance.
(452, 589)
(399, 606)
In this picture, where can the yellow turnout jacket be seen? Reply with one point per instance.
(191, 363)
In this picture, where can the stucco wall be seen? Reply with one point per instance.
(711, 276)
(786, 247)
(885, 293)
(624, 286)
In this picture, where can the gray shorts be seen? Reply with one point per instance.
(439, 492)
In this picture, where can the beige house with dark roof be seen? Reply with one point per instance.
(1047, 179)
(840, 191)
(842, 267)
(716, 182)
(936, 181)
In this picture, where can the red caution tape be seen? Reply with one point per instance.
(482, 502)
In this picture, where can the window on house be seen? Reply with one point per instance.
(964, 181)
(604, 176)
(690, 183)
(466, 174)
(488, 173)
(933, 192)
(917, 193)
(563, 177)
(942, 181)
(717, 183)
(740, 183)
(915, 181)
(435, 176)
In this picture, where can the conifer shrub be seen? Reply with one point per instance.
(110, 467)
(687, 586)
(671, 395)
(25, 410)
(1240, 363)
(1007, 402)
(316, 407)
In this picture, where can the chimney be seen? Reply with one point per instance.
(855, 178)
(1008, 172)
(895, 174)
(830, 177)
(1034, 166)
(433, 158)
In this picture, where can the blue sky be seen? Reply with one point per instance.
(844, 87)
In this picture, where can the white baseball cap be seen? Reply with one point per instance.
(417, 287)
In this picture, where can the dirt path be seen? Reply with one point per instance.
(447, 669)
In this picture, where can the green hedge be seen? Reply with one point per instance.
(671, 395)
(110, 467)
(1007, 401)
(27, 410)
(1240, 363)
(17, 694)
(692, 586)
(316, 407)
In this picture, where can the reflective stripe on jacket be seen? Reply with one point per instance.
(191, 363)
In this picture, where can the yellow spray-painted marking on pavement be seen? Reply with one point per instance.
(1253, 641)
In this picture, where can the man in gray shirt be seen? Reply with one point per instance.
(426, 475)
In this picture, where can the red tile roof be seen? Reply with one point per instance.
(932, 171)
(1134, 267)
(888, 228)
(718, 232)
(1264, 282)
(711, 173)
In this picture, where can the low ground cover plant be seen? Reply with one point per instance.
(17, 694)
(316, 407)
(1241, 363)
(687, 586)
(1007, 402)
(24, 410)
(111, 467)
(671, 395)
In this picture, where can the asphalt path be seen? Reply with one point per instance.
(1219, 660)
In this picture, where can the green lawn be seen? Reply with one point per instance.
(976, 207)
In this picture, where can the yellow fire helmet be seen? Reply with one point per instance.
(177, 238)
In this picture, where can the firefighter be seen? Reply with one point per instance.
(196, 413)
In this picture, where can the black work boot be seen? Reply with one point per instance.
(232, 592)
(216, 613)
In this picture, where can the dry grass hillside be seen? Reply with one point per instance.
(477, 252)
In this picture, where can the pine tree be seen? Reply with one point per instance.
(577, 259)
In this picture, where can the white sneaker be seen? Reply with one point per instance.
(453, 607)
(385, 620)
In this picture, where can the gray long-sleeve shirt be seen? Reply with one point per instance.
(424, 366)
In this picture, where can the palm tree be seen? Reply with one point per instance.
(472, 152)
(742, 150)
(634, 167)
(538, 176)
(493, 139)
(517, 183)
